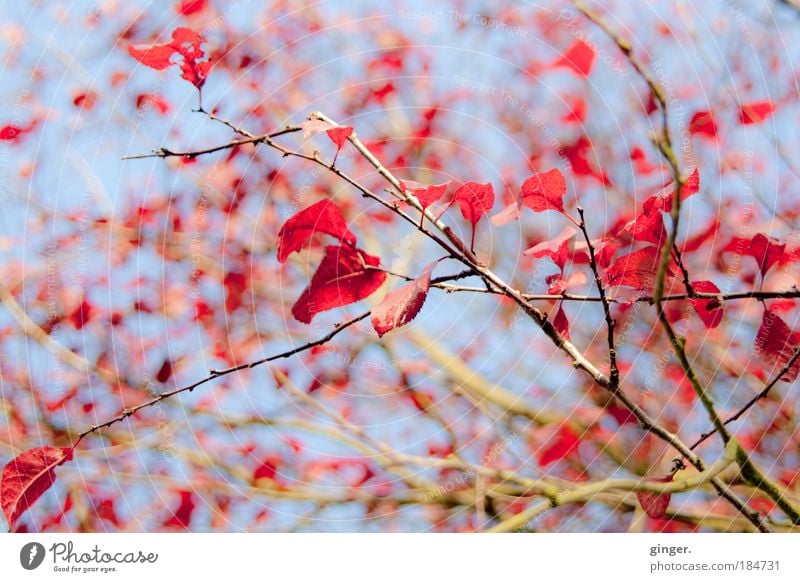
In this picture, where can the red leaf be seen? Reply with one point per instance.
(545, 191)
(655, 505)
(341, 279)
(474, 200)
(82, 314)
(186, 43)
(637, 269)
(560, 321)
(268, 468)
(147, 100)
(402, 305)
(183, 514)
(775, 343)
(27, 477)
(189, 7)
(556, 248)
(702, 123)
(648, 227)
(165, 371)
(339, 137)
(564, 442)
(755, 112)
(13, 132)
(709, 310)
(578, 156)
(426, 195)
(579, 58)
(766, 251)
(663, 202)
(324, 217)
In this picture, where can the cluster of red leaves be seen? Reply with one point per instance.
(185, 43)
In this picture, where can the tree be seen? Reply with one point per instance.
(365, 281)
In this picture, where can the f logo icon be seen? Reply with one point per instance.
(31, 555)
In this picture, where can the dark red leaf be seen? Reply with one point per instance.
(82, 314)
(545, 191)
(324, 217)
(775, 344)
(755, 112)
(578, 156)
(702, 123)
(183, 513)
(579, 58)
(637, 269)
(165, 371)
(402, 305)
(474, 200)
(27, 477)
(655, 505)
(709, 310)
(341, 279)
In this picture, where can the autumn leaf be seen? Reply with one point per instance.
(766, 250)
(323, 217)
(776, 344)
(560, 321)
(702, 123)
(563, 443)
(755, 112)
(343, 277)
(579, 58)
(339, 135)
(545, 191)
(182, 516)
(647, 227)
(637, 269)
(654, 504)
(709, 310)
(556, 248)
(185, 43)
(402, 305)
(426, 194)
(474, 199)
(27, 477)
(189, 7)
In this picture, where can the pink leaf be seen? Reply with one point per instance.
(314, 126)
(545, 191)
(509, 214)
(402, 305)
(324, 217)
(27, 477)
(341, 279)
(654, 504)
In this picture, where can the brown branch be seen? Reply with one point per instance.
(752, 402)
(214, 374)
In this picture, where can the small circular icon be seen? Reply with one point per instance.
(31, 555)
